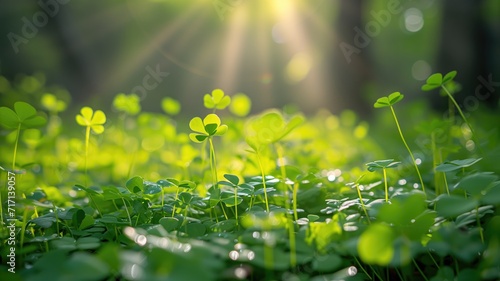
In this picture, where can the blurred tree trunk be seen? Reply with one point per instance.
(467, 45)
(350, 73)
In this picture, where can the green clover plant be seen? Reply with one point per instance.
(128, 104)
(389, 101)
(205, 130)
(382, 165)
(24, 116)
(437, 80)
(91, 121)
(268, 128)
(216, 100)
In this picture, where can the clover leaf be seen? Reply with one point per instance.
(436, 80)
(208, 127)
(217, 100)
(269, 127)
(89, 118)
(389, 100)
(52, 104)
(382, 164)
(23, 116)
(127, 103)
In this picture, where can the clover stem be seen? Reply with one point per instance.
(291, 232)
(479, 225)
(408, 148)
(263, 180)
(87, 138)
(363, 203)
(385, 182)
(459, 110)
(236, 204)
(213, 163)
(15, 147)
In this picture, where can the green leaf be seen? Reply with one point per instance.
(195, 229)
(88, 243)
(217, 100)
(221, 130)
(232, 179)
(86, 267)
(381, 164)
(24, 110)
(327, 263)
(8, 118)
(382, 102)
(476, 184)
(449, 76)
(492, 195)
(196, 124)
(240, 105)
(395, 98)
(169, 223)
(449, 166)
(375, 244)
(135, 184)
(451, 206)
(435, 79)
(170, 106)
(129, 104)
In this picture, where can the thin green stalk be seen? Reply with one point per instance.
(459, 110)
(15, 147)
(479, 225)
(263, 181)
(213, 163)
(363, 203)
(126, 210)
(291, 230)
(87, 138)
(419, 270)
(362, 268)
(408, 148)
(385, 182)
(294, 200)
(236, 205)
(433, 260)
(23, 227)
(399, 274)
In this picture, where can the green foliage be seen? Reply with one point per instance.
(208, 127)
(216, 100)
(294, 200)
(129, 104)
(23, 116)
(93, 120)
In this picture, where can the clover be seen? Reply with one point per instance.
(24, 116)
(129, 104)
(217, 100)
(92, 120)
(437, 80)
(206, 128)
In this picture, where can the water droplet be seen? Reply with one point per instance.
(239, 246)
(250, 255)
(256, 234)
(418, 161)
(141, 240)
(240, 273)
(402, 182)
(352, 270)
(234, 255)
(414, 20)
(415, 185)
(413, 221)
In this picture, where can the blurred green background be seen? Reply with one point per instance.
(314, 54)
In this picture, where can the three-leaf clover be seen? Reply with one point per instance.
(52, 104)
(127, 103)
(436, 80)
(208, 127)
(23, 116)
(382, 164)
(217, 100)
(389, 100)
(94, 120)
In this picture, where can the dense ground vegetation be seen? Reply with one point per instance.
(123, 194)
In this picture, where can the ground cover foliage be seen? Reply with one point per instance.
(121, 194)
